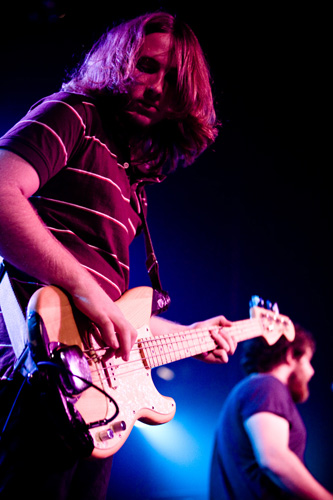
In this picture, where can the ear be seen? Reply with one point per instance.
(290, 359)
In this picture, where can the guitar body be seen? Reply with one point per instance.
(126, 388)
(107, 393)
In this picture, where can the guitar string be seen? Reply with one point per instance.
(132, 365)
(193, 334)
(176, 338)
(146, 345)
(179, 337)
(166, 356)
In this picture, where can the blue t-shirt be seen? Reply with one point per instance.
(235, 473)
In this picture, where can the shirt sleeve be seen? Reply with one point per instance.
(48, 135)
(266, 394)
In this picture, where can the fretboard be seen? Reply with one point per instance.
(164, 349)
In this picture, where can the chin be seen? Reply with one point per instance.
(299, 389)
(138, 119)
(300, 397)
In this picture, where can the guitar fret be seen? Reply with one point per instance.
(165, 358)
(173, 347)
(245, 329)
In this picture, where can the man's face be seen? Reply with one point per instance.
(300, 377)
(151, 95)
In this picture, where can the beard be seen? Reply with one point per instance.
(298, 387)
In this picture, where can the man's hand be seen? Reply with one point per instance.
(226, 345)
(218, 328)
(115, 330)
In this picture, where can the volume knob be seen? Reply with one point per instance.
(119, 426)
(109, 433)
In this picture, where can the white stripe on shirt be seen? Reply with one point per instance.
(104, 277)
(52, 132)
(72, 109)
(86, 209)
(95, 139)
(101, 177)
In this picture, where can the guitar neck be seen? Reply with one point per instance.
(164, 349)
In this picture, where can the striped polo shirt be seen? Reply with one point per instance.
(87, 197)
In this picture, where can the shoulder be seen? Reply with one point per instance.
(63, 103)
(64, 97)
(263, 381)
(263, 392)
(257, 382)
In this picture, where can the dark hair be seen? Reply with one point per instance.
(108, 70)
(260, 357)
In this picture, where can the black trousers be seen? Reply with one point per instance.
(35, 459)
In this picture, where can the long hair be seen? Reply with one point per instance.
(260, 357)
(108, 68)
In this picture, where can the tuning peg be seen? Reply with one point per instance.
(272, 307)
(256, 301)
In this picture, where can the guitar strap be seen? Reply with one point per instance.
(15, 323)
(161, 298)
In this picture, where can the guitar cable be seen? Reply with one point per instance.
(87, 382)
(28, 378)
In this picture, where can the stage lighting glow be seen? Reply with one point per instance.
(172, 441)
(165, 373)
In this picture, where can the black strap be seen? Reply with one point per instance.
(161, 300)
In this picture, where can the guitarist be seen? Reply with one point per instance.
(73, 173)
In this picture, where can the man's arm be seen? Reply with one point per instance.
(28, 245)
(269, 436)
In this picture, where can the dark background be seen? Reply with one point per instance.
(252, 216)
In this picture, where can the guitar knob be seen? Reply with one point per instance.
(106, 435)
(111, 431)
(275, 308)
(119, 426)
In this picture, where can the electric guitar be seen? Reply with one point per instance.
(110, 394)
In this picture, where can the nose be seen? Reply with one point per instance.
(311, 371)
(156, 83)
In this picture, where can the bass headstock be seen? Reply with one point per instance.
(272, 323)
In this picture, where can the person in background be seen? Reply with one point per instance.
(260, 438)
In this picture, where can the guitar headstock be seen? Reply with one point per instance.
(273, 324)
